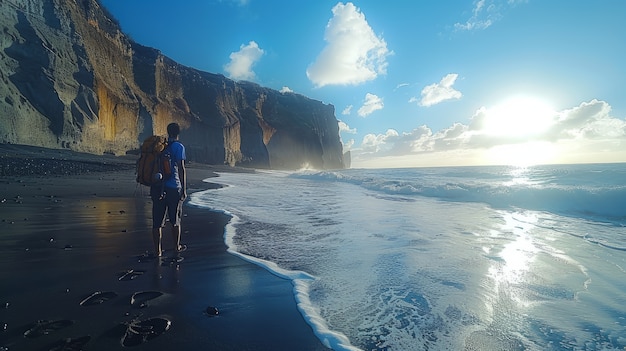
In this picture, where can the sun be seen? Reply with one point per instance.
(517, 126)
(518, 117)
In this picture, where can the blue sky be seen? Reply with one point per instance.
(420, 83)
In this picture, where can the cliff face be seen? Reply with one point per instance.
(69, 78)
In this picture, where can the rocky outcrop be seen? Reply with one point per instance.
(69, 78)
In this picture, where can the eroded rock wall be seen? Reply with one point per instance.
(69, 78)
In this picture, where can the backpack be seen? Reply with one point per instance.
(154, 166)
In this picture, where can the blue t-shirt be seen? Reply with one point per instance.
(177, 153)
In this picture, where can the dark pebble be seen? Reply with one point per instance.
(212, 311)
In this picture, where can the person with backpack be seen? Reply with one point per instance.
(168, 196)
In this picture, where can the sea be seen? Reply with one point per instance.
(451, 258)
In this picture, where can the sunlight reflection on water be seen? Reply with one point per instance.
(516, 256)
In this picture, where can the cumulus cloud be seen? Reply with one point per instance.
(589, 120)
(347, 146)
(285, 90)
(343, 127)
(371, 104)
(353, 53)
(589, 126)
(439, 92)
(242, 61)
(347, 110)
(374, 143)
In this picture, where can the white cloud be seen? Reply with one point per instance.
(347, 110)
(343, 127)
(401, 85)
(587, 130)
(478, 20)
(241, 62)
(416, 141)
(483, 16)
(485, 13)
(589, 120)
(347, 146)
(285, 90)
(375, 143)
(439, 92)
(371, 104)
(353, 54)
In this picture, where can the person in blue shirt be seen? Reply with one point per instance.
(170, 197)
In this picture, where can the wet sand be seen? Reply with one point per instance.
(74, 224)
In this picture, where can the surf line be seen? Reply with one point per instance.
(301, 286)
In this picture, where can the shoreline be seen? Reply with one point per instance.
(300, 281)
(69, 236)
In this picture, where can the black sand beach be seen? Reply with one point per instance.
(67, 236)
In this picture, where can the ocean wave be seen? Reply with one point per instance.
(555, 191)
(379, 259)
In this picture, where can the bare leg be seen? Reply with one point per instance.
(176, 237)
(156, 238)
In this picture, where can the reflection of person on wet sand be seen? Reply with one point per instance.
(170, 198)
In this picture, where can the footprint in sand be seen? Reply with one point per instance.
(130, 274)
(140, 299)
(98, 297)
(146, 257)
(168, 261)
(138, 332)
(45, 327)
(174, 258)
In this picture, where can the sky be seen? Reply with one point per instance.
(420, 83)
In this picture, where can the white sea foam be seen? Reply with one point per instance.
(301, 283)
(489, 258)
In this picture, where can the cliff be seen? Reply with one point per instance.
(69, 78)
